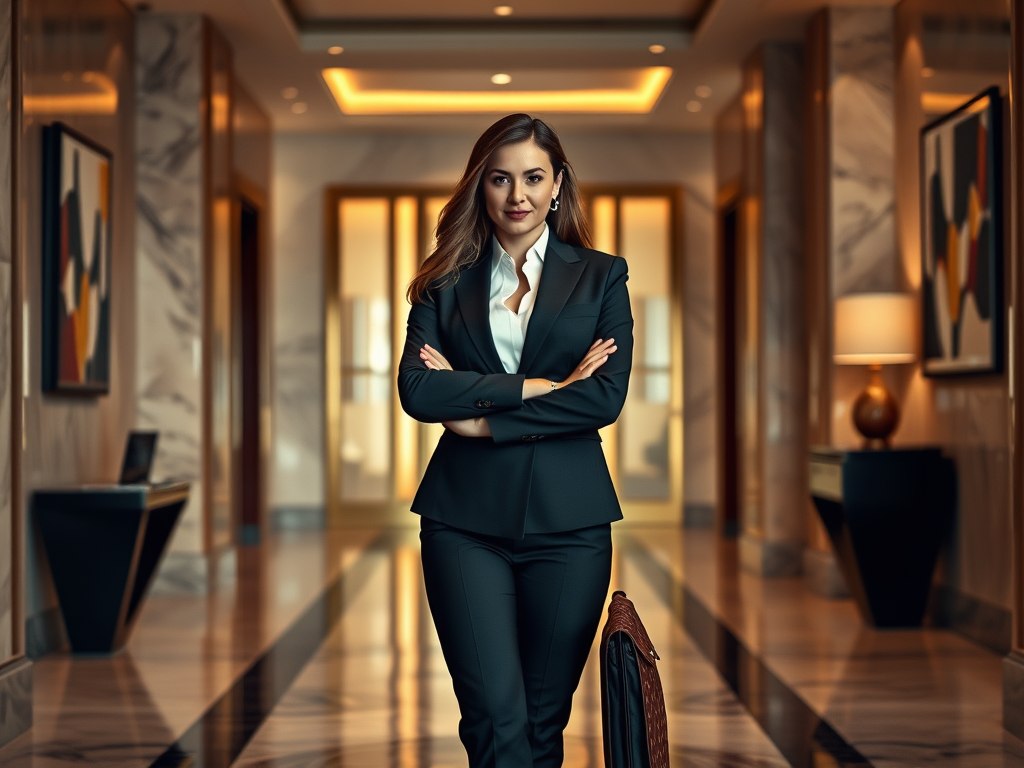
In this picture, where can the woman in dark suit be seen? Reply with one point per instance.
(520, 343)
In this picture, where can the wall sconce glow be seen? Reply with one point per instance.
(353, 100)
(694, 106)
(334, 50)
(98, 97)
(503, 10)
(501, 79)
(656, 48)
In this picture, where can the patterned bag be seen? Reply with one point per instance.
(632, 702)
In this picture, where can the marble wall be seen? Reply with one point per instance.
(782, 328)
(305, 164)
(69, 441)
(170, 246)
(872, 81)
(771, 373)
(968, 416)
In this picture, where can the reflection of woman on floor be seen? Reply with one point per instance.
(520, 341)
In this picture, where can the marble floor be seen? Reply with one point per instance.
(324, 654)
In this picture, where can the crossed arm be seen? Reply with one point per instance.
(517, 407)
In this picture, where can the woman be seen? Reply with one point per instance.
(520, 343)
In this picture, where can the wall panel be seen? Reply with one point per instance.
(65, 46)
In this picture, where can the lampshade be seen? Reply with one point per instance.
(875, 329)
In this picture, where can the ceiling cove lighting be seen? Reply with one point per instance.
(353, 100)
(98, 97)
(501, 79)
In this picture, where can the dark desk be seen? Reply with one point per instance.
(887, 513)
(104, 544)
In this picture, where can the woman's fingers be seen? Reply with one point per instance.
(435, 360)
(590, 358)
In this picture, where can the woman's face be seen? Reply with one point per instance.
(519, 185)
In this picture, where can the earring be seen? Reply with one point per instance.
(554, 205)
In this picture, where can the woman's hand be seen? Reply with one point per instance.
(435, 360)
(596, 356)
(477, 427)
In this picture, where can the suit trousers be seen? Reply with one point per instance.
(516, 620)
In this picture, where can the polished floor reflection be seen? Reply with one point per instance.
(324, 654)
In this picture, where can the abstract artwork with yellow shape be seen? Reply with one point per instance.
(76, 262)
(962, 234)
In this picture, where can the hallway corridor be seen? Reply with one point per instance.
(334, 662)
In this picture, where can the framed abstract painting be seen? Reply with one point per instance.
(962, 239)
(76, 262)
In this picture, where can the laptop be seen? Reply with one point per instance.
(138, 458)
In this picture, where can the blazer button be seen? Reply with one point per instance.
(488, 403)
(479, 403)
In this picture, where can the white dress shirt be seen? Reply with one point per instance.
(508, 328)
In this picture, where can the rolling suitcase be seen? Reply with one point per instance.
(632, 703)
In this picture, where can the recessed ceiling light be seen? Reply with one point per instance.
(694, 106)
(501, 79)
(656, 48)
(334, 50)
(703, 91)
(503, 10)
(299, 107)
(927, 72)
(290, 92)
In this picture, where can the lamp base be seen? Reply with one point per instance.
(876, 413)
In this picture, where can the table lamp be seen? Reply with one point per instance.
(875, 329)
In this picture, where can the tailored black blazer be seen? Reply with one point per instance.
(543, 471)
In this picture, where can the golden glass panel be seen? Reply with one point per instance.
(430, 433)
(365, 451)
(604, 221)
(644, 430)
(406, 260)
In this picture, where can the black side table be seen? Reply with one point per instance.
(104, 544)
(887, 513)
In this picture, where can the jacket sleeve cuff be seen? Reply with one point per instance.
(504, 391)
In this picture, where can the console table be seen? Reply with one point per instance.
(887, 513)
(104, 544)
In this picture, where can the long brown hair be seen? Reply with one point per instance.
(464, 226)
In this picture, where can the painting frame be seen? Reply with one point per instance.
(77, 247)
(968, 317)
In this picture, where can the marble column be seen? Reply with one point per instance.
(15, 669)
(173, 166)
(851, 231)
(773, 371)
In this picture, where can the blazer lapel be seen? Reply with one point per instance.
(473, 291)
(562, 270)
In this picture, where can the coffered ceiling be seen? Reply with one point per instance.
(456, 46)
